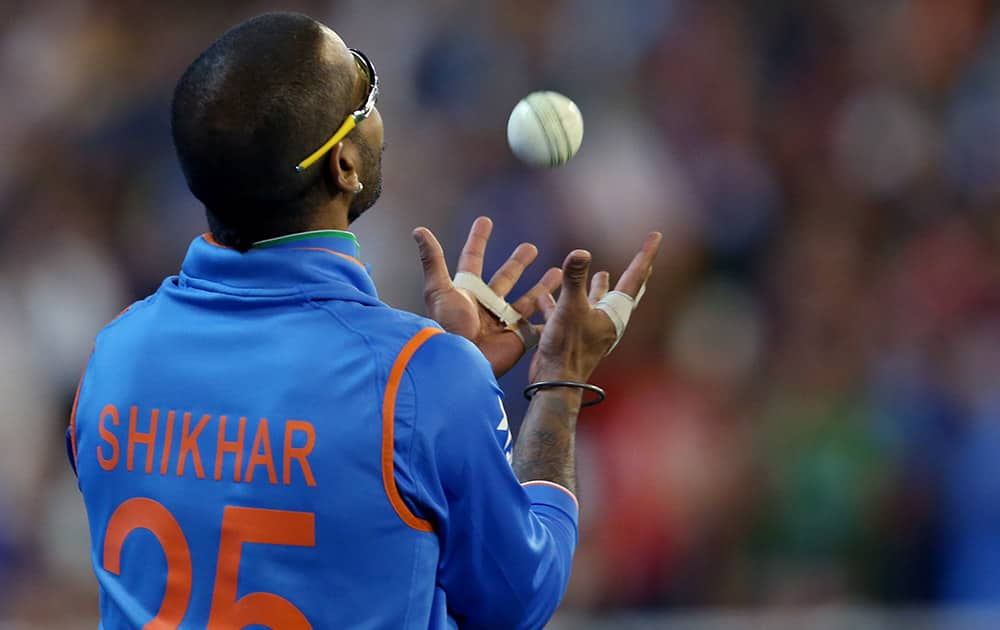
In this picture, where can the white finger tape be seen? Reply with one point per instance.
(619, 307)
(487, 297)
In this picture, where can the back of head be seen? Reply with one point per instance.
(245, 112)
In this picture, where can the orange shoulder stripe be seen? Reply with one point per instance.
(388, 428)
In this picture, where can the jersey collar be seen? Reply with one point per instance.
(314, 234)
(295, 262)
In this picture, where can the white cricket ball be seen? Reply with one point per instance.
(545, 129)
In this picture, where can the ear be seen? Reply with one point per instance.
(344, 162)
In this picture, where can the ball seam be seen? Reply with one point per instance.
(562, 128)
(550, 141)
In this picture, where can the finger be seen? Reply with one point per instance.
(641, 266)
(471, 259)
(575, 269)
(598, 286)
(510, 272)
(436, 275)
(528, 304)
(546, 304)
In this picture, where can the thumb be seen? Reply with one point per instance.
(575, 269)
(432, 259)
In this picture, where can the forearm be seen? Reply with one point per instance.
(546, 443)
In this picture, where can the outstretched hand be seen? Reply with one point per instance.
(458, 312)
(578, 333)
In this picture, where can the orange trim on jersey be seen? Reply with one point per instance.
(335, 253)
(211, 241)
(388, 426)
(79, 386)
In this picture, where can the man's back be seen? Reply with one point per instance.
(237, 415)
(264, 443)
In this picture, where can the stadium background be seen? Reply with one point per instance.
(804, 420)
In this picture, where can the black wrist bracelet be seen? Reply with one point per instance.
(530, 390)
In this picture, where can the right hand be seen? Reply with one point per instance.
(577, 335)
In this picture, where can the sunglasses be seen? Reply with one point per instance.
(368, 71)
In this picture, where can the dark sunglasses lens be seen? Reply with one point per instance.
(368, 72)
(364, 70)
(363, 67)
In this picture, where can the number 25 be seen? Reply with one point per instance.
(239, 525)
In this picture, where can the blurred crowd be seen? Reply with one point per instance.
(806, 409)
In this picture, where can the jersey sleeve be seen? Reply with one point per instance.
(506, 547)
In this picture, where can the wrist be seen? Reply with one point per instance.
(562, 401)
(597, 395)
(556, 371)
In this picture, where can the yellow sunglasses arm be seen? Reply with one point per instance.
(338, 135)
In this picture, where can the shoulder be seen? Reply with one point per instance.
(382, 326)
(451, 355)
(454, 370)
(402, 325)
(126, 318)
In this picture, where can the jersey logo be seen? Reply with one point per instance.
(503, 428)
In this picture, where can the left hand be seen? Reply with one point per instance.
(458, 312)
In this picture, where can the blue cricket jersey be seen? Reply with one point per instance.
(264, 443)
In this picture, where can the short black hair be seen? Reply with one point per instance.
(245, 112)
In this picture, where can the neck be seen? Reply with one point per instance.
(333, 215)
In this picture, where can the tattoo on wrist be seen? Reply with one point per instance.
(545, 446)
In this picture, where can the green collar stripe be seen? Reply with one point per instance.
(301, 236)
